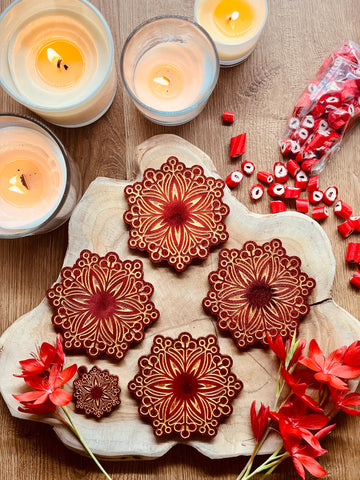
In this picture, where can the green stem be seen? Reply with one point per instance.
(79, 436)
(269, 472)
(272, 462)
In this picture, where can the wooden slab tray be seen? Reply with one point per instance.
(97, 224)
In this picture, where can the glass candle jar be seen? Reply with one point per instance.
(169, 66)
(234, 25)
(39, 184)
(58, 59)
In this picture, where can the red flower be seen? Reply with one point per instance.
(259, 421)
(330, 370)
(48, 388)
(299, 390)
(47, 355)
(294, 422)
(35, 366)
(345, 401)
(303, 456)
(287, 351)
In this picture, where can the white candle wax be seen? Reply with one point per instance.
(39, 185)
(169, 66)
(168, 77)
(58, 59)
(234, 25)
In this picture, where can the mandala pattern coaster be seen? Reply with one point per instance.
(102, 304)
(185, 386)
(96, 392)
(258, 291)
(176, 213)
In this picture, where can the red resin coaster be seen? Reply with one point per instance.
(258, 291)
(102, 304)
(185, 386)
(96, 393)
(176, 213)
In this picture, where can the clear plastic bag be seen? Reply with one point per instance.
(326, 109)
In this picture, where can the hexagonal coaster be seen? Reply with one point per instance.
(185, 386)
(176, 213)
(102, 304)
(258, 291)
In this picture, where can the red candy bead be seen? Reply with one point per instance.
(276, 190)
(346, 228)
(292, 192)
(330, 195)
(301, 180)
(316, 196)
(319, 213)
(355, 280)
(293, 167)
(257, 191)
(353, 252)
(234, 178)
(265, 177)
(247, 167)
(280, 172)
(228, 117)
(313, 184)
(342, 209)
(237, 145)
(277, 206)
(302, 205)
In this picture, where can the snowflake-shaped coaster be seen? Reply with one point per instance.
(102, 304)
(176, 213)
(258, 291)
(96, 392)
(185, 386)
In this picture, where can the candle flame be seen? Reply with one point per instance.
(18, 184)
(165, 81)
(53, 57)
(234, 16)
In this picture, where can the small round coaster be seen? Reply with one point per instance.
(96, 392)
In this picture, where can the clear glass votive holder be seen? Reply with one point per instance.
(169, 66)
(58, 60)
(39, 184)
(232, 49)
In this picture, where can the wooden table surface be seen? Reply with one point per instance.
(261, 91)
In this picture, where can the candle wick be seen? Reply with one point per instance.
(23, 181)
(59, 64)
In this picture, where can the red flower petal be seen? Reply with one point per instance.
(311, 465)
(47, 354)
(28, 396)
(60, 397)
(277, 346)
(65, 376)
(345, 371)
(316, 353)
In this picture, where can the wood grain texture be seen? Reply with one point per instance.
(262, 91)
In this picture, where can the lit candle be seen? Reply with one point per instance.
(234, 25)
(169, 66)
(58, 59)
(39, 185)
